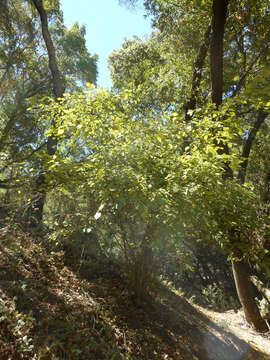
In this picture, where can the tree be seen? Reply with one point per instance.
(58, 84)
(165, 162)
(237, 39)
(25, 79)
(240, 272)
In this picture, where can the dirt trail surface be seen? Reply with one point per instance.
(83, 311)
(234, 322)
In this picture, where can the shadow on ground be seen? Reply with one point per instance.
(168, 327)
(80, 316)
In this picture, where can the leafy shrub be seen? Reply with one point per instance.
(15, 328)
(217, 299)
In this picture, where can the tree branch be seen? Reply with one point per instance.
(242, 79)
(248, 145)
(197, 73)
(58, 82)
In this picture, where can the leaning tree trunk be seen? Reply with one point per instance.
(241, 277)
(36, 210)
(240, 268)
(245, 294)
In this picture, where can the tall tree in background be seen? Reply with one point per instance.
(25, 79)
(240, 271)
(58, 83)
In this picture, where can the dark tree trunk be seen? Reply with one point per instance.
(143, 273)
(240, 273)
(36, 210)
(197, 73)
(248, 145)
(219, 15)
(58, 82)
(245, 294)
(241, 276)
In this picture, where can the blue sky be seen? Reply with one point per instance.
(107, 25)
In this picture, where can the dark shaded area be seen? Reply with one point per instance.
(79, 318)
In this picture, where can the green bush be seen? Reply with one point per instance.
(216, 298)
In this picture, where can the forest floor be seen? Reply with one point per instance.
(81, 311)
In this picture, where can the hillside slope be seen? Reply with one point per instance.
(84, 312)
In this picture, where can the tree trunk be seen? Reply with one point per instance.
(58, 82)
(244, 291)
(143, 272)
(36, 209)
(242, 281)
(197, 74)
(248, 145)
(219, 15)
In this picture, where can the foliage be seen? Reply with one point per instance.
(15, 337)
(25, 79)
(217, 299)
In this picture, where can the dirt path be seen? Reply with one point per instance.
(202, 335)
(86, 314)
(248, 339)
